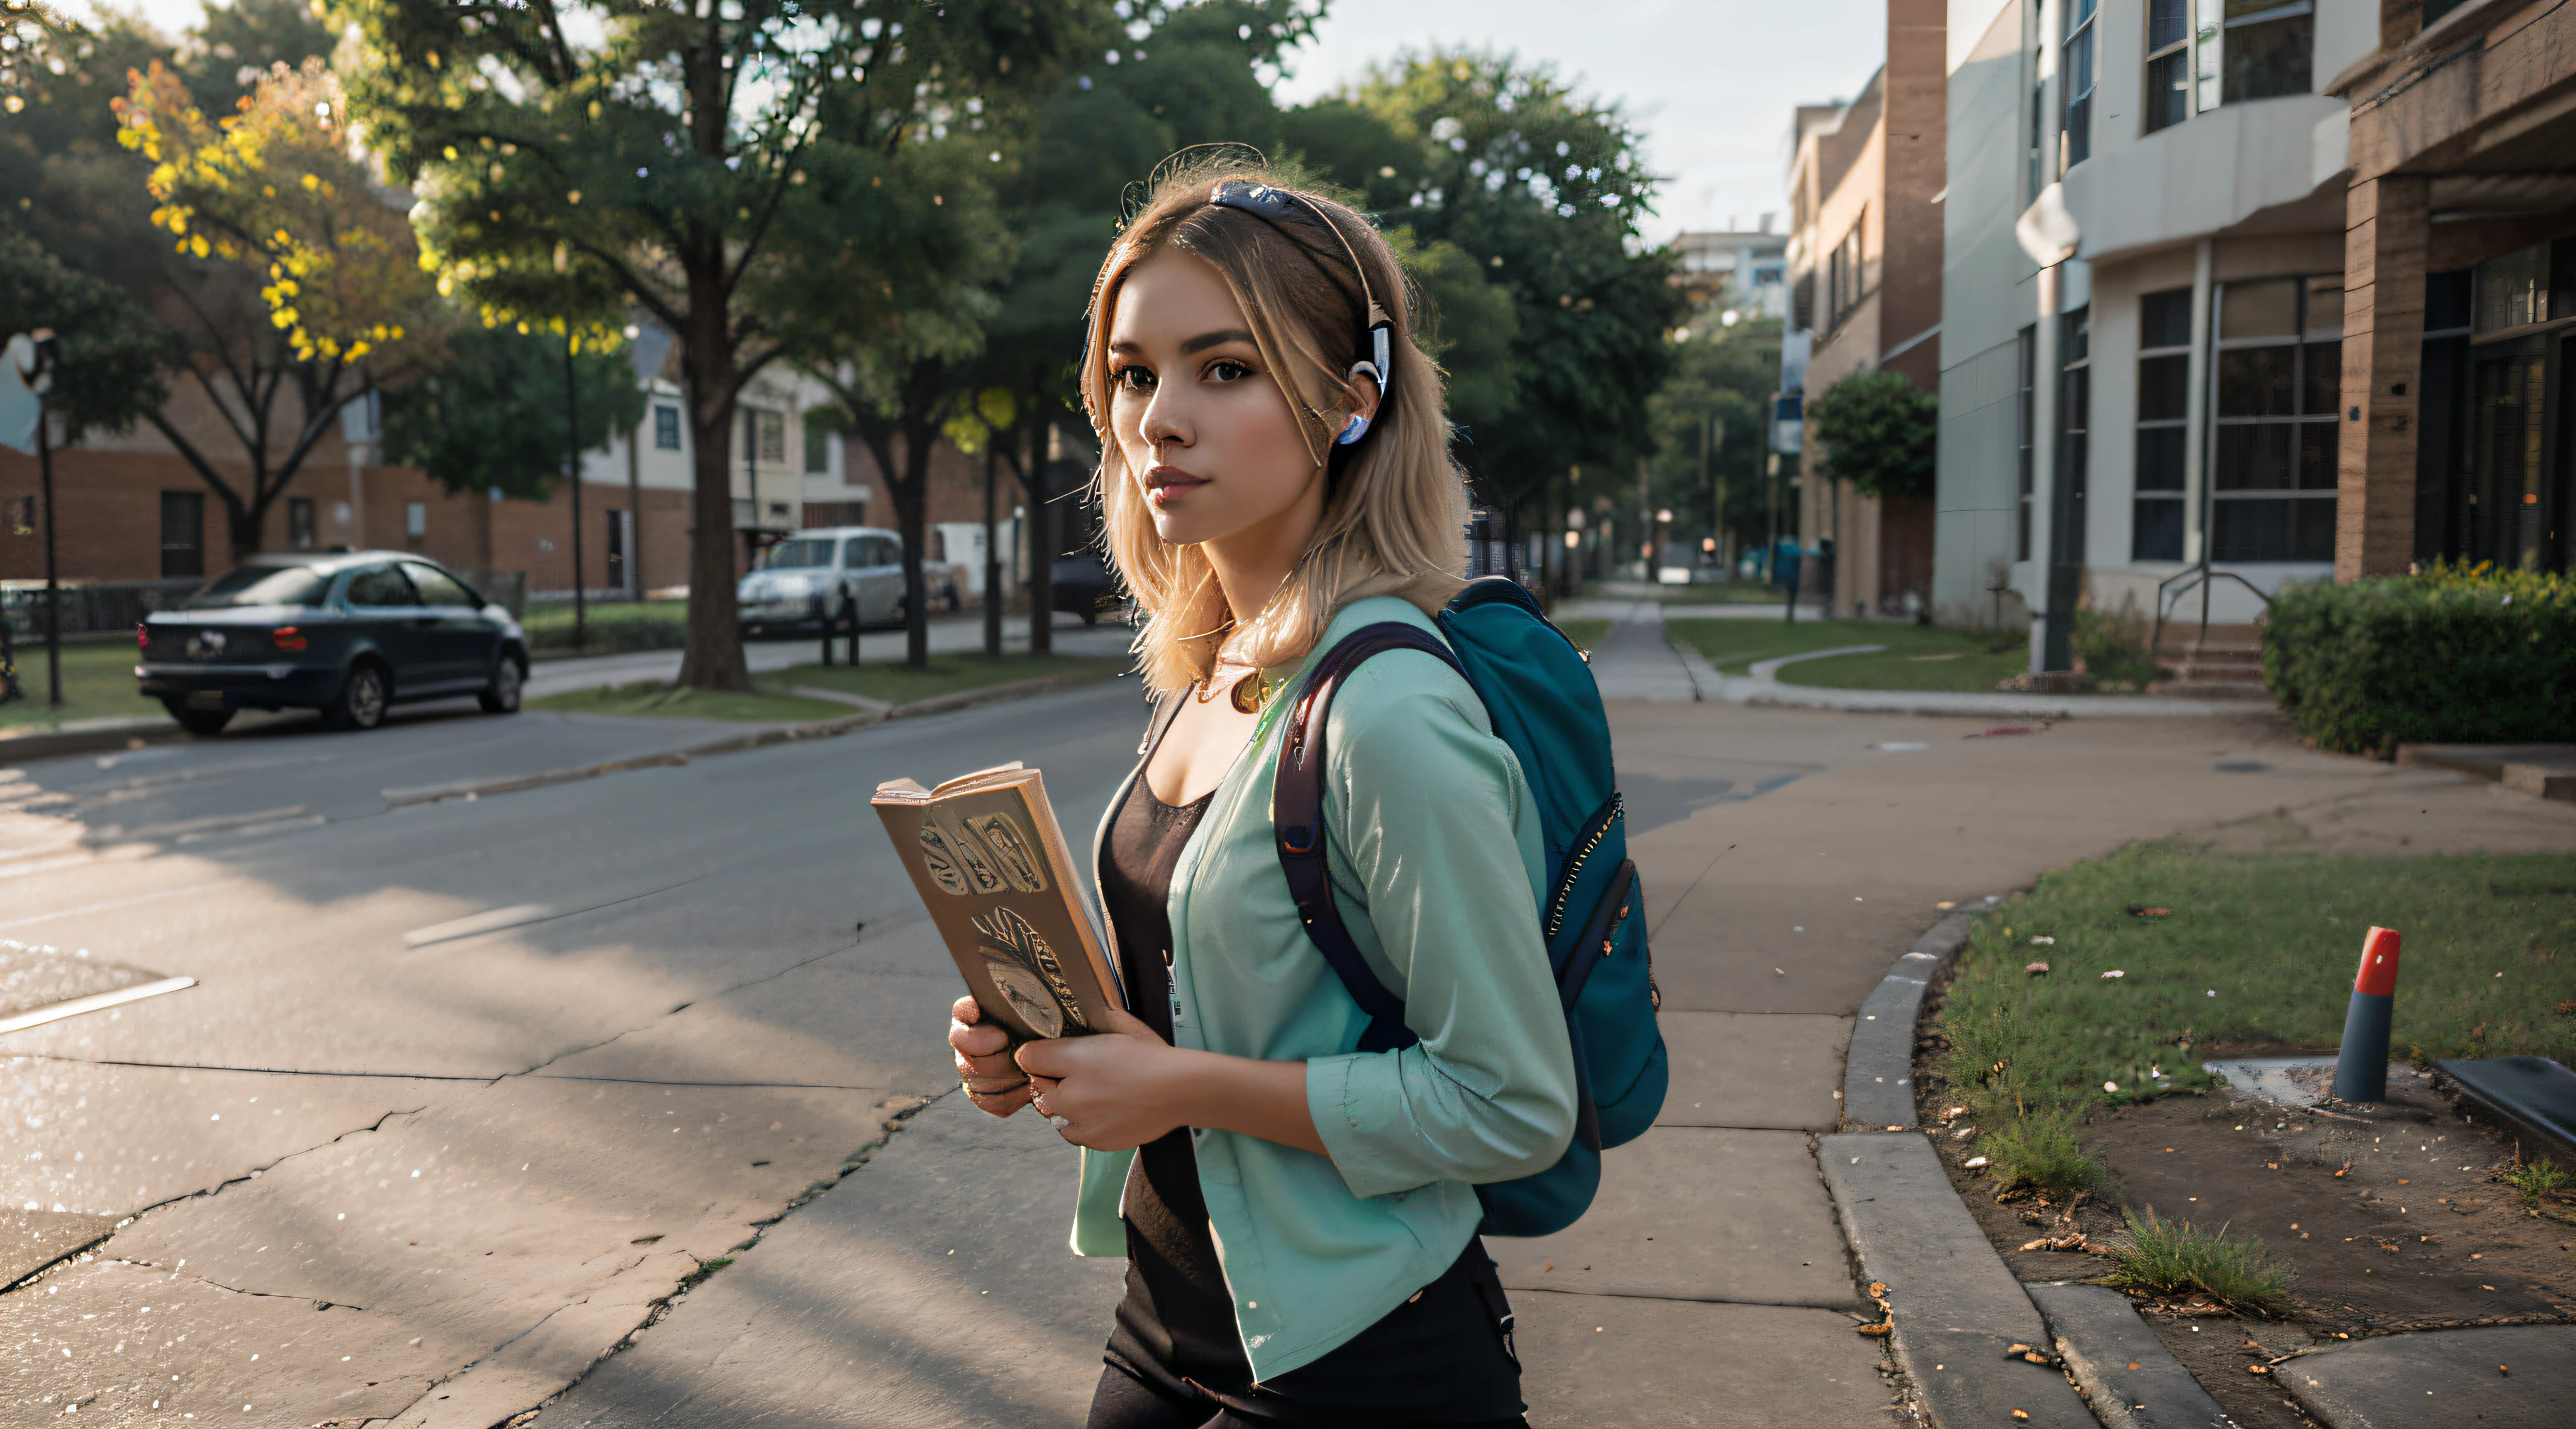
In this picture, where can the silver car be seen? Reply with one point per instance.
(802, 581)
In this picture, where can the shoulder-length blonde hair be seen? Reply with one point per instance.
(1395, 508)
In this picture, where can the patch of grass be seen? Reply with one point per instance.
(2257, 950)
(2175, 1258)
(1720, 593)
(2535, 1180)
(610, 627)
(1917, 657)
(945, 675)
(1586, 634)
(2040, 1152)
(652, 697)
(98, 683)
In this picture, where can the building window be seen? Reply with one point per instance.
(183, 533)
(1802, 303)
(818, 442)
(2168, 63)
(2027, 412)
(22, 515)
(415, 520)
(1843, 277)
(666, 428)
(2038, 136)
(2164, 387)
(769, 429)
(2075, 80)
(299, 522)
(2280, 374)
(2253, 49)
(2074, 433)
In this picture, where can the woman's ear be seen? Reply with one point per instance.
(1365, 388)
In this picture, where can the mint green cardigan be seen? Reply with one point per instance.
(1435, 855)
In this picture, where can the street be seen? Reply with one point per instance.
(469, 1090)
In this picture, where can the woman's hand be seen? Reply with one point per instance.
(1113, 1090)
(993, 1082)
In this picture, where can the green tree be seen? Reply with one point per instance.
(740, 171)
(107, 371)
(1717, 395)
(1543, 189)
(492, 416)
(1878, 433)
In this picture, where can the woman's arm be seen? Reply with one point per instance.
(1125, 1086)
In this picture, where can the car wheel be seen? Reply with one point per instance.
(502, 695)
(198, 721)
(362, 699)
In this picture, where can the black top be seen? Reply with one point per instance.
(1440, 1358)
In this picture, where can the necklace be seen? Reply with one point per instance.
(1248, 693)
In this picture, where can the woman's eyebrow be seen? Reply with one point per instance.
(1206, 340)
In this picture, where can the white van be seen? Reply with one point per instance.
(801, 581)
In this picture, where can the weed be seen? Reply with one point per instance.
(2175, 1258)
(2535, 1179)
(2040, 1152)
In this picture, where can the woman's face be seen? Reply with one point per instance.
(1208, 434)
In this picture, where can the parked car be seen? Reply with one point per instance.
(801, 581)
(1081, 584)
(347, 633)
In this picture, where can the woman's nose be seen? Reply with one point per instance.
(1163, 423)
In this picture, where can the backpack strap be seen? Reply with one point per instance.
(1297, 815)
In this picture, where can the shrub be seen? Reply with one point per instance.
(2113, 649)
(1879, 433)
(2173, 1258)
(2040, 1152)
(612, 627)
(2467, 655)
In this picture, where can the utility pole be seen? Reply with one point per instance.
(572, 472)
(45, 469)
(992, 554)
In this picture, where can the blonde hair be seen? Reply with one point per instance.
(1395, 511)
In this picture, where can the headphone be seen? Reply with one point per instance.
(1270, 204)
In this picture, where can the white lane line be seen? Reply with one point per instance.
(56, 1012)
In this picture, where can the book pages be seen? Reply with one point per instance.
(991, 864)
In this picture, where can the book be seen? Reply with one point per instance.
(990, 862)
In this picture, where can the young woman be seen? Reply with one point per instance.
(1299, 1217)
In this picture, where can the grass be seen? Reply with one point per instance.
(2535, 1180)
(98, 683)
(2257, 951)
(1586, 634)
(771, 700)
(2040, 1152)
(2175, 1258)
(1918, 657)
(610, 627)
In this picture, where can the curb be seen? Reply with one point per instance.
(1714, 688)
(757, 739)
(1954, 1304)
(124, 734)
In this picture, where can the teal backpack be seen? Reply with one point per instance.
(1540, 696)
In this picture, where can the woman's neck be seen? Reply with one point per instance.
(1252, 564)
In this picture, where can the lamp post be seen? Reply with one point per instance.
(40, 380)
(572, 472)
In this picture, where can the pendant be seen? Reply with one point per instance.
(1251, 693)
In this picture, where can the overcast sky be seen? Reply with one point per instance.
(1710, 81)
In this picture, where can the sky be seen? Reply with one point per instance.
(1711, 82)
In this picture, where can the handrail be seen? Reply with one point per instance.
(2199, 576)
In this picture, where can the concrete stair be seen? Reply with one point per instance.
(2227, 663)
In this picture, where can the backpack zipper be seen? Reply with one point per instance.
(1585, 843)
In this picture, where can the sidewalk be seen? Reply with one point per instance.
(959, 634)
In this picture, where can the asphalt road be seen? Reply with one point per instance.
(486, 1149)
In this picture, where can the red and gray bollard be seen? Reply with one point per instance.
(2361, 1068)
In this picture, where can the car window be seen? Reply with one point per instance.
(797, 553)
(854, 552)
(437, 587)
(379, 586)
(884, 551)
(262, 585)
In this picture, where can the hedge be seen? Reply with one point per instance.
(2451, 655)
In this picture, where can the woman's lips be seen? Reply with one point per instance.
(1166, 482)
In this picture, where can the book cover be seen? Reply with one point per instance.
(991, 864)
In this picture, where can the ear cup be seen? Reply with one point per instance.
(1353, 431)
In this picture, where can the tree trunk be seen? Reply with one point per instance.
(992, 555)
(912, 510)
(712, 659)
(1041, 539)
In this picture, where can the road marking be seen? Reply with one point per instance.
(115, 903)
(56, 1012)
(183, 829)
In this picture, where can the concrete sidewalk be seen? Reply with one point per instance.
(1788, 856)
(961, 634)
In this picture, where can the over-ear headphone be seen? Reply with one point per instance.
(1270, 204)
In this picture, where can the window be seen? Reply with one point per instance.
(2038, 135)
(183, 533)
(299, 522)
(769, 430)
(22, 515)
(666, 428)
(261, 585)
(380, 587)
(818, 442)
(437, 587)
(2074, 431)
(2164, 383)
(2028, 413)
(2075, 81)
(2263, 48)
(2168, 95)
(1843, 287)
(1802, 303)
(2280, 375)
(415, 520)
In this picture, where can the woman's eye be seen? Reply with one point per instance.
(1226, 369)
(1132, 378)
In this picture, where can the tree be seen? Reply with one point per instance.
(271, 198)
(1717, 394)
(1878, 433)
(1543, 189)
(732, 169)
(107, 369)
(491, 417)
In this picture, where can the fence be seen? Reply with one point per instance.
(90, 607)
